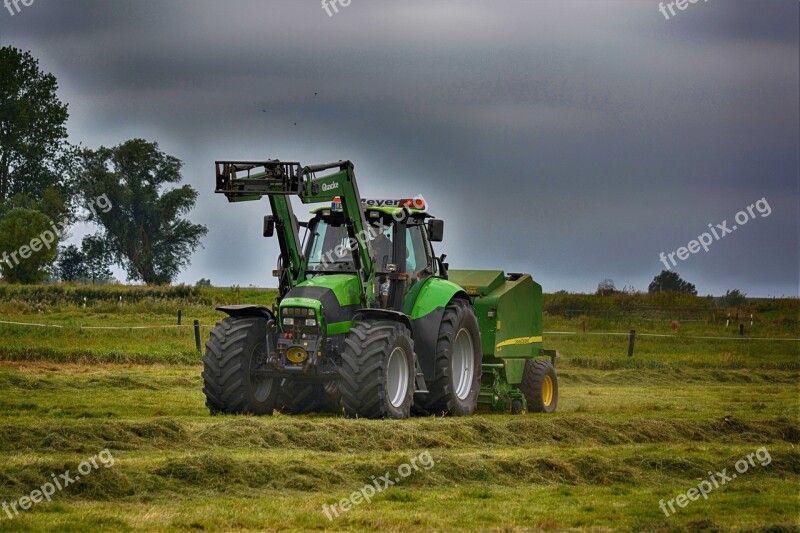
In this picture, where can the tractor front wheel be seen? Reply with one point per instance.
(540, 386)
(378, 370)
(234, 380)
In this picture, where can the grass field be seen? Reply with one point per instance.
(628, 433)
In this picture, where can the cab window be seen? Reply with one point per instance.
(417, 260)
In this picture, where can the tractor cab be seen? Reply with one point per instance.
(399, 239)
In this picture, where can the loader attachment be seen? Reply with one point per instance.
(250, 180)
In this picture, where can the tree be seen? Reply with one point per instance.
(34, 153)
(90, 262)
(734, 298)
(96, 259)
(669, 281)
(143, 230)
(203, 283)
(28, 246)
(606, 287)
(71, 264)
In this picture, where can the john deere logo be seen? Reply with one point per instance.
(329, 186)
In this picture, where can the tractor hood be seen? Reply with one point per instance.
(337, 296)
(344, 286)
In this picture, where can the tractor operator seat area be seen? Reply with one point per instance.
(328, 248)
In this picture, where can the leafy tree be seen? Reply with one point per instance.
(734, 298)
(34, 153)
(143, 230)
(28, 246)
(606, 287)
(203, 283)
(71, 264)
(90, 262)
(97, 259)
(669, 281)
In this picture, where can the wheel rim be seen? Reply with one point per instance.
(547, 391)
(397, 377)
(260, 386)
(462, 364)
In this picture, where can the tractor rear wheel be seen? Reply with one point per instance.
(457, 380)
(540, 386)
(378, 370)
(296, 398)
(235, 351)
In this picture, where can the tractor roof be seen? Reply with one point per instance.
(385, 210)
(416, 206)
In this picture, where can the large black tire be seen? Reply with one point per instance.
(378, 370)
(457, 378)
(540, 386)
(295, 398)
(237, 346)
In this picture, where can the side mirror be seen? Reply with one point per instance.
(269, 226)
(435, 230)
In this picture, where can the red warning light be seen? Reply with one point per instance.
(413, 203)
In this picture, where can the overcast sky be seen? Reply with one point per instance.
(575, 140)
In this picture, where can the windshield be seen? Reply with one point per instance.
(329, 251)
(328, 248)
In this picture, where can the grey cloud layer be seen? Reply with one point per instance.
(573, 139)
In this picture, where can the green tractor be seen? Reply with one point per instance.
(369, 322)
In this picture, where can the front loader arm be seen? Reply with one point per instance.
(342, 184)
(288, 238)
(251, 180)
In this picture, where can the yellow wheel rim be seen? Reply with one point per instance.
(547, 391)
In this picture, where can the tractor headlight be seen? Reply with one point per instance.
(303, 317)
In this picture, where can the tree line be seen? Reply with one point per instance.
(48, 184)
(669, 281)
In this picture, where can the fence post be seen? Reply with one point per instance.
(741, 329)
(631, 342)
(197, 335)
(179, 317)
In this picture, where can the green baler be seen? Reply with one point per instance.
(509, 312)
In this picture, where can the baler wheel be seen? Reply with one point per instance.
(540, 386)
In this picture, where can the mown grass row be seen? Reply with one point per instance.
(140, 475)
(81, 409)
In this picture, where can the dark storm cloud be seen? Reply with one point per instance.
(573, 139)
